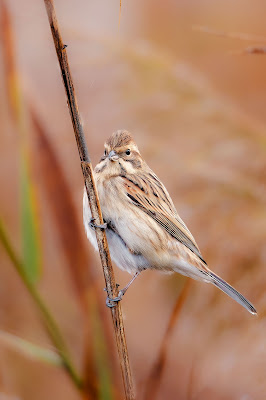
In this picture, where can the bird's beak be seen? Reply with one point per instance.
(113, 156)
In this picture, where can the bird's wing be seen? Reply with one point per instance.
(146, 192)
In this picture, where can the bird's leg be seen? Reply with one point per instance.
(94, 226)
(109, 302)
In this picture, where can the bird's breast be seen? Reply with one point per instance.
(140, 233)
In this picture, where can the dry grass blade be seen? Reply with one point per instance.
(156, 373)
(61, 203)
(255, 50)
(93, 200)
(231, 35)
(7, 40)
(120, 11)
(48, 319)
(30, 350)
(30, 235)
(237, 35)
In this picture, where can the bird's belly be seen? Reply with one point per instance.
(120, 252)
(123, 256)
(137, 241)
(138, 231)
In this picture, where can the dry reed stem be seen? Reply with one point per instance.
(61, 203)
(154, 379)
(93, 200)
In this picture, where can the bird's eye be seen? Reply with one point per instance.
(128, 152)
(105, 152)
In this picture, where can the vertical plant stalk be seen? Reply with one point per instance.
(154, 379)
(93, 200)
(78, 260)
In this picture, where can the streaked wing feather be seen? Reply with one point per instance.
(148, 193)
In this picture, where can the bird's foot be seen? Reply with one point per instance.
(113, 302)
(94, 226)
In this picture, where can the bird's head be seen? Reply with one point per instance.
(120, 154)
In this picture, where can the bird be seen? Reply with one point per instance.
(143, 228)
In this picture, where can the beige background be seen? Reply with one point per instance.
(197, 112)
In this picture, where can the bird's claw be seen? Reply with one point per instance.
(113, 302)
(94, 226)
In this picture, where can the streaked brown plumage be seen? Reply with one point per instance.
(143, 228)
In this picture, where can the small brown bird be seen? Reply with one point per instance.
(143, 228)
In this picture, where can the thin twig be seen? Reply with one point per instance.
(49, 321)
(237, 35)
(230, 35)
(156, 373)
(258, 50)
(93, 199)
(120, 11)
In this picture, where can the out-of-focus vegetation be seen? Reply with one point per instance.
(197, 111)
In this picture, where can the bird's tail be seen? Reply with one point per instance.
(231, 292)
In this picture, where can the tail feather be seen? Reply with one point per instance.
(231, 292)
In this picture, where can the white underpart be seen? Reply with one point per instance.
(164, 260)
(119, 253)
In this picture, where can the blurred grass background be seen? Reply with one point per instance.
(198, 114)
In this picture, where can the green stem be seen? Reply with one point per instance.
(48, 319)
